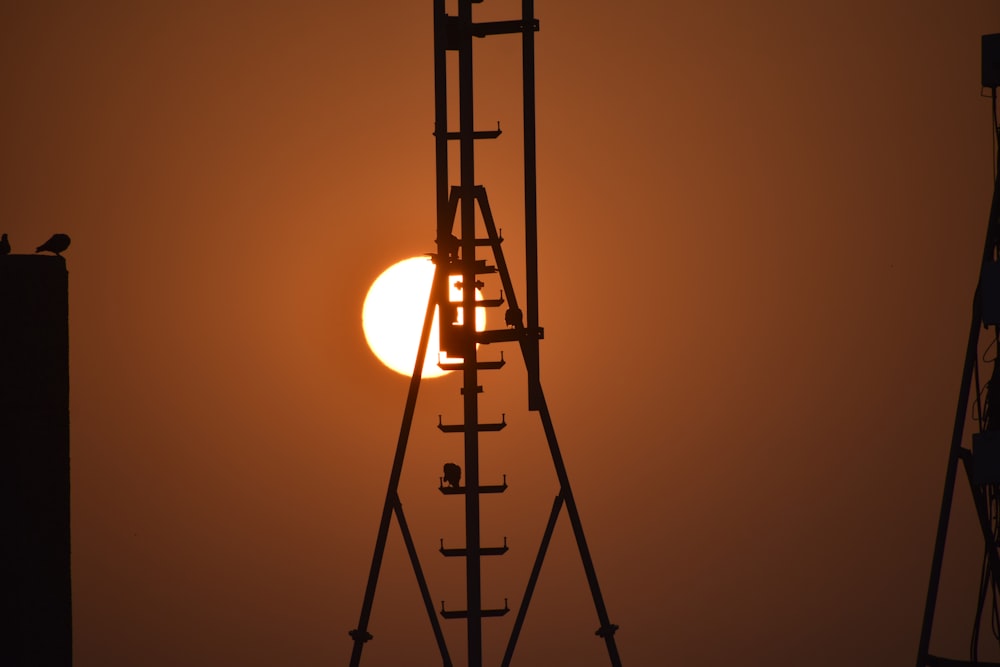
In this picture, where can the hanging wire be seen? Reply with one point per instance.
(995, 132)
(989, 348)
(977, 407)
(995, 145)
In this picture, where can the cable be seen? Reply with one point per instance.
(995, 132)
(977, 407)
(989, 348)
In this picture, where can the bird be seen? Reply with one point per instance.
(513, 317)
(4, 245)
(56, 244)
(452, 474)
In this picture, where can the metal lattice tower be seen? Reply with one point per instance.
(457, 255)
(981, 462)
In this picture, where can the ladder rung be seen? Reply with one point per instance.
(479, 266)
(483, 551)
(482, 267)
(502, 27)
(462, 613)
(476, 134)
(481, 365)
(460, 428)
(483, 488)
(504, 335)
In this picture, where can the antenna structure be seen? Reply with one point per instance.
(457, 260)
(980, 463)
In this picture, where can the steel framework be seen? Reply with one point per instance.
(980, 463)
(456, 256)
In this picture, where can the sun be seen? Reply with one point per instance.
(393, 315)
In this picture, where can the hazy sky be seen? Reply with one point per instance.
(759, 227)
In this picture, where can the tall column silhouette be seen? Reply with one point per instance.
(34, 430)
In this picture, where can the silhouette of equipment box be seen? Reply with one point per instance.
(989, 294)
(991, 61)
(986, 458)
(35, 477)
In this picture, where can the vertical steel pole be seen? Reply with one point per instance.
(444, 217)
(473, 579)
(530, 201)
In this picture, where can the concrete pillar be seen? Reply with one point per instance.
(34, 474)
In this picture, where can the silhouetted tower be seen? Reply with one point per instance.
(457, 261)
(980, 463)
(34, 431)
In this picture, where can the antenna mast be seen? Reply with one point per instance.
(456, 261)
(981, 462)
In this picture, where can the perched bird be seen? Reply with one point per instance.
(452, 473)
(513, 317)
(4, 245)
(56, 244)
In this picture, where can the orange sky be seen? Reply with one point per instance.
(759, 228)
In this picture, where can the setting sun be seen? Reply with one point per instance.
(393, 315)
